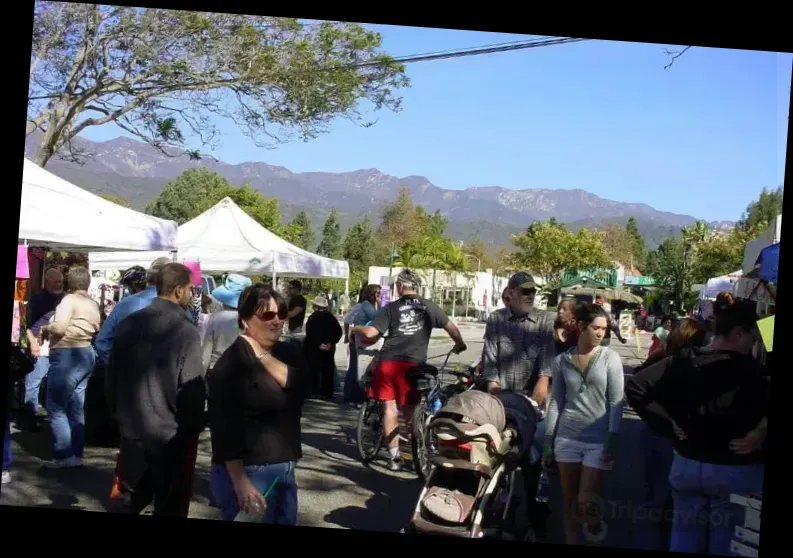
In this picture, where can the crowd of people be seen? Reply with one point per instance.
(701, 394)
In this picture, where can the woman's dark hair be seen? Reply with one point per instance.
(724, 301)
(739, 314)
(78, 278)
(369, 293)
(255, 297)
(690, 333)
(585, 314)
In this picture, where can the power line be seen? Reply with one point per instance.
(477, 51)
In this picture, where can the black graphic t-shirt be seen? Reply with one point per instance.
(409, 322)
(297, 301)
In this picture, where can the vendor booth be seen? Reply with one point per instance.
(225, 239)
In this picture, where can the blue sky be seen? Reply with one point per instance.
(702, 138)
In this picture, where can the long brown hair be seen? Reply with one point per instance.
(369, 293)
(689, 333)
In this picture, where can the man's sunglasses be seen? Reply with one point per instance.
(270, 315)
(528, 292)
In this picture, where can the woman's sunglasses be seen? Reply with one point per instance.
(270, 315)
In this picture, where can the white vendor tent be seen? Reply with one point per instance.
(751, 252)
(58, 215)
(719, 284)
(226, 239)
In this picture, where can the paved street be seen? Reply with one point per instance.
(336, 490)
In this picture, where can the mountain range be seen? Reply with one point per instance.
(137, 172)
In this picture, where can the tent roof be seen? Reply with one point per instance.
(63, 217)
(226, 239)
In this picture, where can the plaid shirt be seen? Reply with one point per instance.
(518, 350)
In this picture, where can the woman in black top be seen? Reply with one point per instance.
(714, 406)
(256, 394)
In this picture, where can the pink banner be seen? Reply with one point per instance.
(23, 268)
(195, 270)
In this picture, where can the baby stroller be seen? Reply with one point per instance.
(470, 491)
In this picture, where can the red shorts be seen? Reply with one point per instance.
(390, 383)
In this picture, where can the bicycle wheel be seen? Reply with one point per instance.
(370, 425)
(420, 439)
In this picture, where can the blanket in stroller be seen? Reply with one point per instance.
(522, 416)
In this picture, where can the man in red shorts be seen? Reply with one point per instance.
(409, 321)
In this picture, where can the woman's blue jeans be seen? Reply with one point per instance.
(67, 379)
(704, 519)
(281, 501)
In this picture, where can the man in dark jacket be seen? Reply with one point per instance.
(156, 391)
(323, 332)
(714, 406)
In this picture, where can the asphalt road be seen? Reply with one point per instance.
(336, 490)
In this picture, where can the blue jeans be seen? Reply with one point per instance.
(652, 514)
(281, 502)
(68, 377)
(704, 519)
(7, 446)
(33, 384)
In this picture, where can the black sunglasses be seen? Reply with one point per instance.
(528, 292)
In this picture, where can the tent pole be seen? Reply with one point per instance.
(347, 286)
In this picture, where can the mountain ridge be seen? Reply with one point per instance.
(137, 172)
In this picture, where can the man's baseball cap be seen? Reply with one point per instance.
(521, 280)
(157, 265)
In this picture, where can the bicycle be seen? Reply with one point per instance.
(370, 418)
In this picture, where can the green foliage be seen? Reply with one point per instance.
(161, 74)
(198, 189)
(331, 244)
(548, 249)
(619, 244)
(639, 248)
(761, 212)
(357, 251)
(300, 232)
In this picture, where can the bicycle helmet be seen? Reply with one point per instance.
(134, 278)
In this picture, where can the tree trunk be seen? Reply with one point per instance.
(454, 294)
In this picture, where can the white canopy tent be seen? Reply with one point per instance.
(752, 250)
(60, 216)
(720, 284)
(226, 239)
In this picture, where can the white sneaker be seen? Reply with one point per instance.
(6, 477)
(68, 463)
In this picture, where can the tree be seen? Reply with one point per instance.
(434, 225)
(161, 75)
(187, 196)
(548, 249)
(717, 255)
(330, 245)
(619, 244)
(303, 234)
(639, 248)
(666, 264)
(115, 199)
(198, 189)
(357, 250)
(761, 212)
(477, 251)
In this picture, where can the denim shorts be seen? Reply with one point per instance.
(587, 454)
(281, 502)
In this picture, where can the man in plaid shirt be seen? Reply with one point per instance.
(517, 356)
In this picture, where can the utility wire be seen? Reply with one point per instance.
(476, 51)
